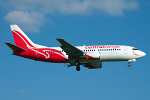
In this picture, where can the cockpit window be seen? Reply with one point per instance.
(134, 49)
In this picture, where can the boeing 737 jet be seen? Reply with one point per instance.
(88, 56)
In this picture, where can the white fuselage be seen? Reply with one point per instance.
(108, 53)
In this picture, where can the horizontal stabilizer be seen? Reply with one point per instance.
(14, 47)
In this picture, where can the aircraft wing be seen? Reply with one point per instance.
(68, 48)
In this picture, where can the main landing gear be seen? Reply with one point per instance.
(74, 64)
(78, 66)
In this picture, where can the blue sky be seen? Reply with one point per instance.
(88, 22)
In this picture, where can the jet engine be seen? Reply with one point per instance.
(94, 65)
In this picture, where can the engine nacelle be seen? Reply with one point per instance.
(132, 60)
(93, 56)
(94, 65)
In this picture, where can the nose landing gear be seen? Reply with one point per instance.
(129, 64)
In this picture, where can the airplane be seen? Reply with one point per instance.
(88, 56)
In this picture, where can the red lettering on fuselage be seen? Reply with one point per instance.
(99, 47)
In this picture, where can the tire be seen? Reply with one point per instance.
(78, 68)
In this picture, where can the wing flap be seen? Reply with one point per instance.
(14, 47)
(68, 48)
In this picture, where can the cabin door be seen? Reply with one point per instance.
(37, 53)
(126, 50)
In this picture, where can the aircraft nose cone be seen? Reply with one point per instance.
(143, 54)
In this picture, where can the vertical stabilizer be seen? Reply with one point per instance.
(20, 38)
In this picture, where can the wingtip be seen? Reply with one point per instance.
(58, 38)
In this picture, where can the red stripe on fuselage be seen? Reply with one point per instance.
(44, 54)
(52, 55)
(40, 54)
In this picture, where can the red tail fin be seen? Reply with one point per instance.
(20, 38)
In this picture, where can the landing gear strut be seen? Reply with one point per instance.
(78, 65)
(74, 64)
(129, 64)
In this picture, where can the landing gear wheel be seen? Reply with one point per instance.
(78, 68)
(129, 64)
